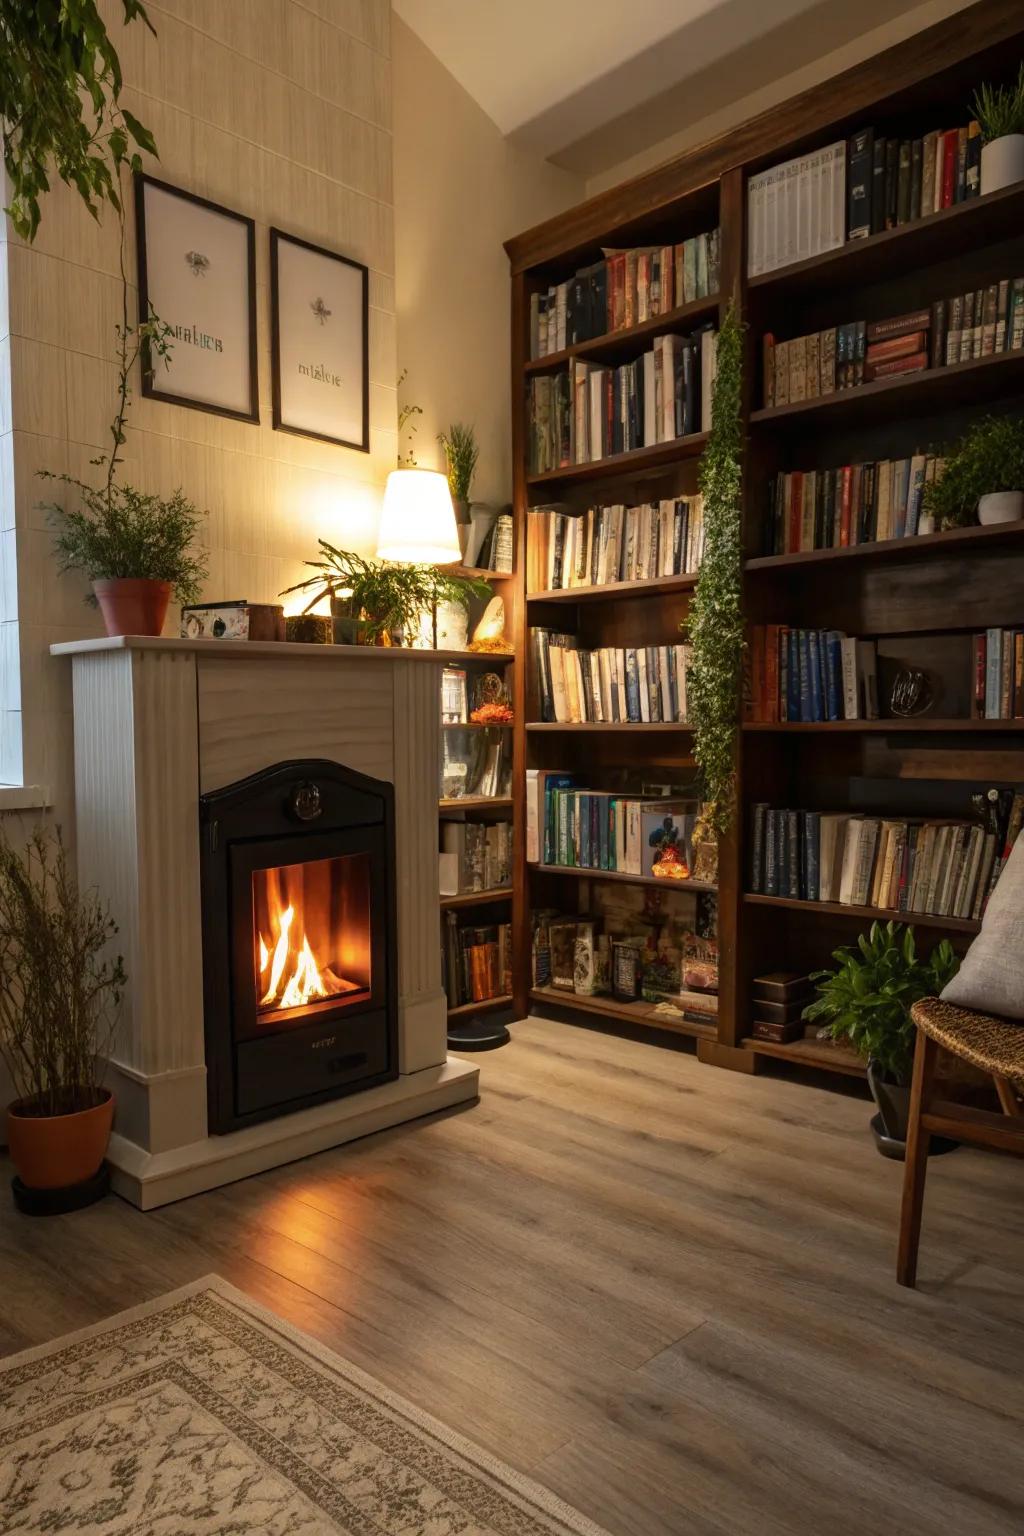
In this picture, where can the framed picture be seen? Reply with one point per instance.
(319, 325)
(197, 273)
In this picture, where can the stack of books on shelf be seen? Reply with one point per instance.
(496, 550)
(589, 412)
(999, 675)
(475, 763)
(624, 289)
(475, 856)
(476, 962)
(968, 327)
(616, 543)
(848, 190)
(617, 955)
(855, 504)
(808, 675)
(607, 830)
(946, 868)
(636, 684)
(778, 1000)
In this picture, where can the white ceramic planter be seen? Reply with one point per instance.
(926, 523)
(1002, 162)
(1001, 507)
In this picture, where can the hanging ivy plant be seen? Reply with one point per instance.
(60, 83)
(715, 624)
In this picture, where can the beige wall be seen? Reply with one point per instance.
(280, 109)
(460, 190)
(778, 88)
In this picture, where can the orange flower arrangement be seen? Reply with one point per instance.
(492, 714)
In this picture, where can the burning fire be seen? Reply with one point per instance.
(290, 974)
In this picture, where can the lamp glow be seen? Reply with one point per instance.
(417, 520)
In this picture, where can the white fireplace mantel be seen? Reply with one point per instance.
(158, 722)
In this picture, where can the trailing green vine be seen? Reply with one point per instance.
(715, 623)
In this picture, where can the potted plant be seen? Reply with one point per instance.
(867, 999)
(461, 453)
(1000, 113)
(984, 473)
(375, 602)
(59, 990)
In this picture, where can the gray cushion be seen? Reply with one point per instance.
(991, 978)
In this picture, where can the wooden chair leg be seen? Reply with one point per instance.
(1007, 1095)
(916, 1167)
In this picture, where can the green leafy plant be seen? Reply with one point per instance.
(59, 985)
(60, 87)
(461, 453)
(1000, 109)
(391, 597)
(867, 998)
(990, 457)
(715, 623)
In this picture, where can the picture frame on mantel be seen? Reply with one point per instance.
(320, 323)
(197, 274)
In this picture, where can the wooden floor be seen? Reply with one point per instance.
(664, 1290)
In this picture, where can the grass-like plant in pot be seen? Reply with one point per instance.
(983, 474)
(376, 602)
(1000, 113)
(461, 454)
(866, 1000)
(60, 987)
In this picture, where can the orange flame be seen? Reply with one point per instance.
(295, 977)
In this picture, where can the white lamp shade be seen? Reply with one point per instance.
(417, 521)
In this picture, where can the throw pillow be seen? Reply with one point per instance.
(991, 978)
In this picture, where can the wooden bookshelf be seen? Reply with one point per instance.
(476, 898)
(581, 872)
(644, 1014)
(959, 581)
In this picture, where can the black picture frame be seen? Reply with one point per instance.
(151, 373)
(362, 443)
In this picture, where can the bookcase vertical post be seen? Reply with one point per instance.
(520, 882)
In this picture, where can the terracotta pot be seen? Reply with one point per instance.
(55, 1151)
(133, 605)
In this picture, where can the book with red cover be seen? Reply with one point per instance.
(896, 346)
(846, 506)
(950, 164)
(980, 651)
(771, 672)
(887, 369)
(898, 325)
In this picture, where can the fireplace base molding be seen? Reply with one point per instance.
(158, 723)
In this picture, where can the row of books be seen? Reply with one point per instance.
(591, 956)
(809, 675)
(474, 856)
(616, 543)
(624, 289)
(854, 504)
(476, 764)
(589, 412)
(961, 329)
(476, 962)
(609, 830)
(998, 675)
(635, 684)
(496, 549)
(947, 868)
(854, 188)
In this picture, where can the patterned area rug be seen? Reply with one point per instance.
(201, 1414)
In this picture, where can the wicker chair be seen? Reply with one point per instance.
(995, 1046)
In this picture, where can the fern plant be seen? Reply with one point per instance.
(715, 623)
(390, 596)
(1000, 109)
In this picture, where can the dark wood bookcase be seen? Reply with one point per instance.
(955, 582)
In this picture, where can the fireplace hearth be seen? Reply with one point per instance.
(298, 930)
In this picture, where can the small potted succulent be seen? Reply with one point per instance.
(1000, 113)
(461, 453)
(983, 474)
(867, 1000)
(60, 987)
(377, 602)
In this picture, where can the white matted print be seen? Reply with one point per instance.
(320, 313)
(197, 274)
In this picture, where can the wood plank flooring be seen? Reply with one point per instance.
(665, 1291)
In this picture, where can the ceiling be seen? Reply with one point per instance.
(586, 83)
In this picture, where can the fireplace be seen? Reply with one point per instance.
(298, 923)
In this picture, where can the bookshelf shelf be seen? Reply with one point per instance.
(623, 342)
(476, 898)
(475, 725)
(936, 237)
(915, 394)
(926, 595)
(620, 589)
(862, 914)
(486, 1005)
(476, 803)
(657, 456)
(948, 541)
(479, 573)
(578, 872)
(629, 1013)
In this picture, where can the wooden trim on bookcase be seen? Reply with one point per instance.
(520, 634)
(775, 133)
